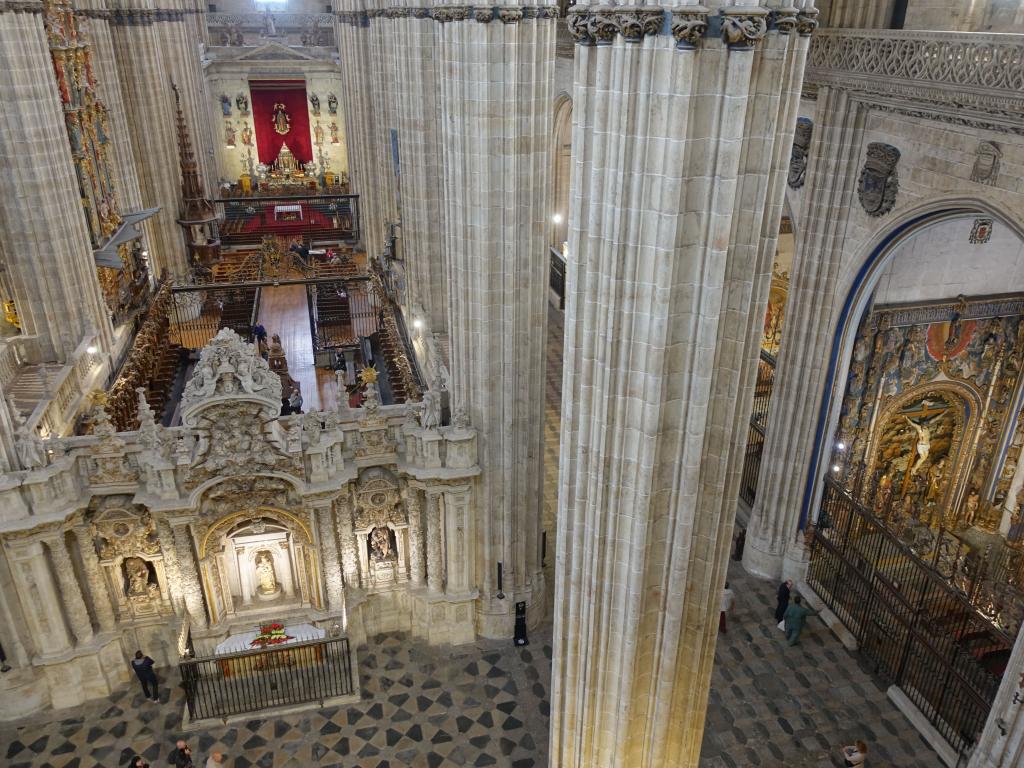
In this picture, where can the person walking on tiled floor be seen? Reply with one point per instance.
(727, 601)
(795, 618)
(783, 598)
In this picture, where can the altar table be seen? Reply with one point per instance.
(287, 213)
(300, 633)
(277, 655)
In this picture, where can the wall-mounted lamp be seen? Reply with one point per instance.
(500, 595)
(91, 349)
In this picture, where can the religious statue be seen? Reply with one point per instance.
(935, 477)
(380, 544)
(265, 574)
(29, 447)
(229, 134)
(247, 136)
(138, 578)
(269, 27)
(242, 102)
(971, 509)
(923, 444)
(318, 133)
(332, 103)
(275, 355)
(282, 123)
(225, 105)
(314, 102)
(333, 128)
(430, 416)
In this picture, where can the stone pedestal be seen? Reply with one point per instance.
(443, 618)
(679, 142)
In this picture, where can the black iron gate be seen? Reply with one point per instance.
(916, 628)
(251, 681)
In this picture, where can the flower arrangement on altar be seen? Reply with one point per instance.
(271, 634)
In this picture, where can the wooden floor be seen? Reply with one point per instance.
(283, 311)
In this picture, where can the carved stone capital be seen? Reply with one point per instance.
(579, 27)
(785, 20)
(688, 28)
(740, 31)
(448, 13)
(21, 6)
(419, 13)
(540, 12)
(807, 22)
(602, 27)
(634, 24)
(352, 18)
(510, 15)
(483, 15)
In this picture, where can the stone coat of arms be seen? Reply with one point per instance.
(798, 155)
(878, 183)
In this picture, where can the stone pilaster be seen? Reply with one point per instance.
(435, 558)
(190, 588)
(674, 158)
(70, 590)
(347, 536)
(40, 600)
(414, 509)
(1002, 742)
(330, 564)
(495, 135)
(458, 540)
(774, 545)
(46, 243)
(100, 596)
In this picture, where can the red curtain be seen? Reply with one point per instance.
(291, 93)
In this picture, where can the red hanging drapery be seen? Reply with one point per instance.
(291, 93)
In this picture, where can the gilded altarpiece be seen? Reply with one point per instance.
(932, 400)
(88, 129)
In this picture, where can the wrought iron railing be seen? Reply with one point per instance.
(910, 614)
(324, 217)
(252, 681)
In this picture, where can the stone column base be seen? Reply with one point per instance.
(22, 693)
(443, 618)
(89, 672)
(761, 562)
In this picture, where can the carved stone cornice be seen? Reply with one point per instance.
(21, 6)
(688, 27)
(740, 31)
(94, 13)
(807, 22)
(786, 20)
(131, 17)
(352, 18)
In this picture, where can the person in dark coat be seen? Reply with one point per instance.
(143, 666)
(181, 755)
(795, 618)
(783, 596)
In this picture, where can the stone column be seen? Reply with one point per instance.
(170, 565)
(40, 600)
(435, 559)
(495, 99)
(70, 591)
(774, 546)
(674, 158)
(97, 583)
(46, 244)
(188, 575)
(414, 510)
(1002, 742)
(346, 533)
(329, 562)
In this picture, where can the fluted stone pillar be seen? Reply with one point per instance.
(496, 93)
(774, 544)
(435, 558)
(46, 243)
(413, 509)
(153, 47)
(1002, 741)
(674, 158)
(101, 604)
(347, 536)
(70, 590)
(188, 575)
(330, 563)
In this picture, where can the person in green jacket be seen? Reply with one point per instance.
(795, 618)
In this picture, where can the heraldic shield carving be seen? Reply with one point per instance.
(798, 155)
(878, 182)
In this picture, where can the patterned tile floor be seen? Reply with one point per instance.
(486, 704)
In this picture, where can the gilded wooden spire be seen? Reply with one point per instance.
(196, 208)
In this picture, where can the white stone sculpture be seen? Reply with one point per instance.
(430, 415)
(30, 449)
(265, 576)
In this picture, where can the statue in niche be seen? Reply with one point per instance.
(971, 509)
(269, 27)
(242, 102)
(266, 579)
(282, 123)
(332, 103)
(318, 133)
(229, 134)
(225, 105)
(314, 102)
(333, 128)
(247, 136)
(923, 444)
(139, 586)
(380, 544)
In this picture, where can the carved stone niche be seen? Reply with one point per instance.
(381, 528)
(130, 555)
